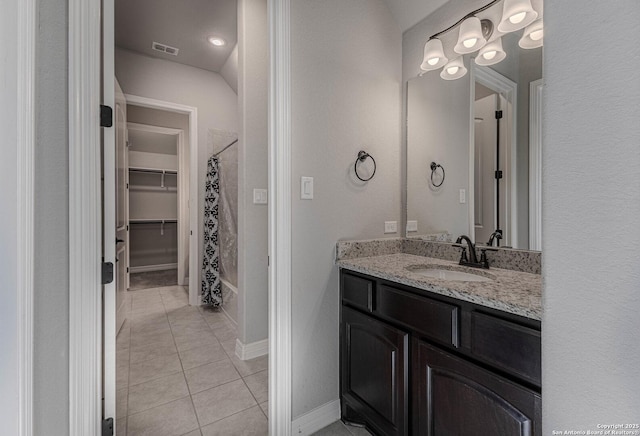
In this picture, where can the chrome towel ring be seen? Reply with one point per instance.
(362, 156)
(434, 167)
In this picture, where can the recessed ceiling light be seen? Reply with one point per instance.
(218, 42)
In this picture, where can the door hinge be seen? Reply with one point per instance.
(107, 273)
(107, 427)
(106, 116)
(498, 174)
(498, 115)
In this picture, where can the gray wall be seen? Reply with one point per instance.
(253, 90)
(9, 387)
(591, 205)
(229, 70)
(164, 80)
(345, 94)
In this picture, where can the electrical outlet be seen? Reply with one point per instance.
(463, 196)
(306, 188)
(390, 226)
(412, 226)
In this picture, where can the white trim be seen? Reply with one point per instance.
(279, 219)
(85, 249)
(149, 268)
(25, 172)
(508, 89)
(316, 419)
(252, 350)
(535, 164)
(195, 231)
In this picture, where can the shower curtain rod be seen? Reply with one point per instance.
(216, 154)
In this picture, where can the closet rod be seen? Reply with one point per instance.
(216, 154)
(151, 221)
(152, 170)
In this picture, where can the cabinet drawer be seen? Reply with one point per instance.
(430, 317)
(357, 291)
(507, 346)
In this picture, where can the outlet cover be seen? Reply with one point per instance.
(306, 188)
(412, 226)
(390, 226)
(259, 196)
(463, 196)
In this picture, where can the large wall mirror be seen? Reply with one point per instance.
(473, 151)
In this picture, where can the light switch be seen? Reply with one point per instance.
(390, 226)
(306, 188)
(259, 196)
(412, 226)
(463, 196)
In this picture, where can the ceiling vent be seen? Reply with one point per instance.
(164, 48)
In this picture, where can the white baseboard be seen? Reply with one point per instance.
(148, 268)
(252, 350)
(318, 418)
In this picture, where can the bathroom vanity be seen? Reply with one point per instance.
(422, 355)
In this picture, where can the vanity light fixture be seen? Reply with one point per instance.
(516, 15)
(491, 54)
(533, 35)
(218, 42)
(434, 57)
(475, 34)
(470, 37)
(454, 69)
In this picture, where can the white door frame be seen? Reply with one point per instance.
(85, 248)
(535, 164)
(196, 232)
(184, 195)
(509, 89)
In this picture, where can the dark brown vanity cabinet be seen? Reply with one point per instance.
(416, 363)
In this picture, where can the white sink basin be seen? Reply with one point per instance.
(446, 274)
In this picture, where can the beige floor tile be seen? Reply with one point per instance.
(151, 325)
(141, 372)
(195, 340)
(156, 392)
(250, 422)
(194, 433)
(265, 408)
(150, 338)
(222, 401)
(224, 333)
(190, 330)
(121, 426)
(123, 357)
(198, 356)
(171, 419)
(335, 429)
(193, 322)
(122, 377)
(248, 367)
(152, 351)
(211, 375)
(121, 403)
(229, 346)
(258, 384)
(357, 431)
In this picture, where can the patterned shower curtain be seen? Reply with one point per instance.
(211, 286)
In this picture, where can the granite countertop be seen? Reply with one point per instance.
(510, 291)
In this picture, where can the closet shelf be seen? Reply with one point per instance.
(152, 220)
(153, 170)
(153, 188)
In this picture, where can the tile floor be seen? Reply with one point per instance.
(340, 429)
(177, 373)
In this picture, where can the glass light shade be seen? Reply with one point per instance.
(532, 37)
(434, 57)
(516, 15)
(454, 69)
(491, 54)
(470, 37)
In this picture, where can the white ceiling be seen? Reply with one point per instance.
(185, 25)
(408, 13)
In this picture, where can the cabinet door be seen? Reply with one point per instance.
(374, 368)
(455, 397)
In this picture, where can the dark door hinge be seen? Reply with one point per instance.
(498, 174)
(107, 427)
(107, 273)
(498, 115)
(106, 116)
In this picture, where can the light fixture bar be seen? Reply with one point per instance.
(470, 14)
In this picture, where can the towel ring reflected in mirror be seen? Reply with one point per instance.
(434, 167)
(362, 156)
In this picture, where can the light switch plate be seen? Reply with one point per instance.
(390, 226)
(259, 196)
(412, 226)
(463, 196)
(306, 188)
